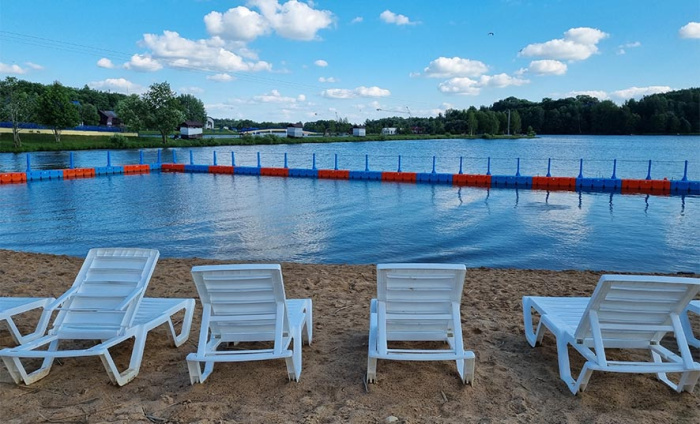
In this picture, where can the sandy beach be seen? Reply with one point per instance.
(514, 382)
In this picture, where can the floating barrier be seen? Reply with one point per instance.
(548, 182)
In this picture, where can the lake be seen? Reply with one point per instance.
(251, 218)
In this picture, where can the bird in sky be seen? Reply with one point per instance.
(491, 33)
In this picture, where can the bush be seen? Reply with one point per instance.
(119, 141)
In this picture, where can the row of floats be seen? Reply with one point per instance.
(612, 185)
(548, 182)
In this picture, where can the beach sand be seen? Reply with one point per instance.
(514, 382)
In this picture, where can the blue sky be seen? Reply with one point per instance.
(281, 60)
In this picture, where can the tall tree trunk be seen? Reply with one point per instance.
(164, 137)
(15, 135)
(57, 134)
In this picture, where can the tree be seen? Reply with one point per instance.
(89, 115)
(515, 123)
(16, 105)
(132, 112)
(55, 109)
(158, 109)
(193, 108)
(163, 111)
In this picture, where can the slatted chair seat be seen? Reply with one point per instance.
(247, 303)
(625, 312)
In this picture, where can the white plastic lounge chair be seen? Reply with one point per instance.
(11, 306)
(624, 312)
(694, 307)
(418, 302)
(105, 305)
(246, 303)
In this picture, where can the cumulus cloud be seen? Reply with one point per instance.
(105, 63)
(293, 19)
(362, 91)
(322, 63)
(622, 48)
(637, 92)
(275, 96)
(357, 20)
(34, 66)
(224, 77)
(143, 63)
(328, 80)
(690, 30)
(176, 51)
(547, 67)
(392, 18)
(577, 44)
(599, 94)
(471, 87)
(446, 67)
(117, 85)
(11, 69)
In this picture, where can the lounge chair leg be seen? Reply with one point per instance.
(309, 321)
(465, 368)
(195, 370)
(565, 365)
(371, 370)
(534, 337)
(121, 378)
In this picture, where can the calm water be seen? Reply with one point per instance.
(327, 221)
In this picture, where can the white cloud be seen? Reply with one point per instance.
(392, 18)
(690, 30)
(547, 67)
(357, 20)
(238, 23)
(577, 44)
(220, 77)
(275, 96)
(637, 92)
(191, 90)
(11, 69)
(293, 19)
(143, 63)
(599, 94)
(105, 63)
(209, 54)
(362, 91)
(34, 66)
(118, 85)
(621, 49)
(322, 63)
(446, 67)
(472, 87)
(328, 80)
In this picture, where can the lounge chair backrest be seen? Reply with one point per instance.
(244, 302)
(106, 293)
(629, 308)
(419, 301)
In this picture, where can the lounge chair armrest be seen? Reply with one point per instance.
(65, 296)
(128, 300)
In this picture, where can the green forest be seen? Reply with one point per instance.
(59, 107)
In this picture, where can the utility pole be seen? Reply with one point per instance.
(508, 121)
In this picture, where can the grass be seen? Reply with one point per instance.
(46, 142)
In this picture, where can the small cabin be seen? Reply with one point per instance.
(295, 130)
(389, 131)
(191, 129)
(210, 123)
(109, 118)
(359, 131)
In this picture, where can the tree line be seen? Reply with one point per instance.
(59, 107)
(160, 108)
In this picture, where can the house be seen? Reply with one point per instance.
(210, 123)
(109, 118)
(389, 131)
(190, 129)
(295, 130)
(358, 131)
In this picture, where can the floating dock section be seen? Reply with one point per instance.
(647, 185)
